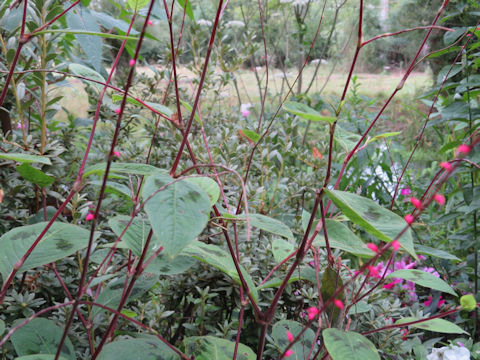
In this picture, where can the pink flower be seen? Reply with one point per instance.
(390, 285)
(372, 247)
(289, 336)
(117, 153)
(409, 219)
(245, 113)
(469, 35)
(465, 149)
(149, 23)
(395, 245)
(131, 62)
(405, 191)
(288, 353)
(439, 198)
(312, 312)
(405, 334)
(416, 202)
(428, 302)
(338, 303)
(373, 272)
(117, 111)
(90, 216)
(446, 165)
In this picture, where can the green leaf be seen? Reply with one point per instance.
(383, 136)
(346, 139)
(359, 308)
(86, 32)
(435, 325)
(158, 107)
(185, 4)
(276, 282)
(330, 282)
(35, 176)
(111, 295)
(86, 72)
(135, 238)
(467, 302)
(189, 108)
(2, 327)
(145, 348)
(40, 336)
(123, 168)
(281, 249)
(26, 158)
(451, 71)
(424, 279)
(252, 135)
(178, 213)
(136, 5)
(426, 250)
(339, 237)
(376, 220)
(40, 357)
(213, 348)
(129, 313)
(302, 347)
(209, 185)
(215, 256)
(349, 345)
(60, 241)
(306, 112)
(268, 224)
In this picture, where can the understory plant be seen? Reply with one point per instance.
(174, 219)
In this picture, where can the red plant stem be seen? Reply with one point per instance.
(55, 18)
(406, 30)
(200, 87)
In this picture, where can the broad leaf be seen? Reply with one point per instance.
(281, 249)
(189, 108)
(209, 185)
(330, 282)
(185, 4)
(134, 239)
(60, 241)
(145, 348)
(424, 279)
(426, 250)
(26, 158)
(136, 5)
(38, 177)
(178, 213)
(122, 168)
(213, 348)
(349, 345)
(41, 336)
(346, 139)
(252, 135)
(339, 237)
(268, 224)
(302, 347)
(435, 325)
(111, 295)
(2, 327)
(157, 107)
(380, 222)
(215, 256)
(307, 112)
(86, 72)
(40, 357)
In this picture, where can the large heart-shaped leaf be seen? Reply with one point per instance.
(302, 347)
(213, 348)
(349, 345)
(146, 348)
(306, 112)
(41, 336)
(380, 222)
(435, 325)
(215, 256)
(339, 237)
(60, 241)
(134, 239)
(178, 213)
(423, 278)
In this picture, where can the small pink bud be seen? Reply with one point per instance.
(469, 35)
(117, 153)
(395, 245)
(338, 303)
(312, 312)
(289, 336)
(439, 198)
(131, 62)
(149, 23)
(90, 216)
(372, 247)
(417, 203)
(446, 165)
(288, 353)
(409, 219)
(117, 111)
(465, 149)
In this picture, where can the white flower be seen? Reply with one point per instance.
(300, 2)
(235, 23)
(203, 22)
(446, 353)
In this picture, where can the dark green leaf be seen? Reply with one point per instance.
(41, 336)
(423, 278)
(349, 345)
(213, 348)
(35, 176)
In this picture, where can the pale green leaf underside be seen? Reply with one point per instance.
(26, 158)
(349, 345)
(435, 325)
(424, 279)
(306, 112)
